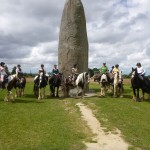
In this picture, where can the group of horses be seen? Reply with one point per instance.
(109, 82)
(54, 82)
(114, 84)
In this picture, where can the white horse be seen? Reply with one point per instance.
(81, 83)
(118, 84)
(103, 84)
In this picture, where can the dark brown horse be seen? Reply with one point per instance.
(54, 83)
(138, 84)
(40, 83)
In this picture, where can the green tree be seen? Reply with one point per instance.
(14, 70)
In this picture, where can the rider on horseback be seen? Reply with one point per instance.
(3, 75)
(104, 70)
(140, 71)
(41, 70)
(74, 73)
(55, 72)
(19, 72)
(116, 69)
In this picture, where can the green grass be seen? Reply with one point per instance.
(56, 124)
(52, 124)
(132, 118)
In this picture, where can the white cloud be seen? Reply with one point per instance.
(118, 32)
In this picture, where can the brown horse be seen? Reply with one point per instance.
(138, 84)
(11, 83)
(20, 86)
(55, 83)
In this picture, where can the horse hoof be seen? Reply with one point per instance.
(121, 96)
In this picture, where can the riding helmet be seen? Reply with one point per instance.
(138, 64)
(116, 65)
(42, 65)
(2, 63)
(18, 65)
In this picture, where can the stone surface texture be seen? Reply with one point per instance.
(73, 42)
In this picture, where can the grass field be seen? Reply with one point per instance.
(56, 124)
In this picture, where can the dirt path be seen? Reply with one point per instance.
(105, 141)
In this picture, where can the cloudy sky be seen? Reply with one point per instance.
(118, 32)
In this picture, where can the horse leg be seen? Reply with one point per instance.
(77, 92)
(142, 98)
(134, 94)
(9, 97)
(57, 95)
(17, 93)
(115, 90)
(52, 91)
(138, 97)
(102, 91)
(121, 90)
(22, 91)
(6, 99)
(39, 94)
(43, 93)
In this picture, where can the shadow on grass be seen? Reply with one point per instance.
(23, 101)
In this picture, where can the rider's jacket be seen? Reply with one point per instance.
(2, 73)
(18, 71)
(55, 71)
(104, 69)
(140, 70)
(115, 70)
(74, 71)
(41, 70)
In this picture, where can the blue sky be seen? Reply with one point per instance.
(118, 33)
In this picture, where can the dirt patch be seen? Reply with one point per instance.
(104, 141)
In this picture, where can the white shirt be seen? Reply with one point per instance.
(2, 71)
(74, 70)
(18, 70)
(140, 70)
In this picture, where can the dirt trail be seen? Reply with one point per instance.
(105, 141)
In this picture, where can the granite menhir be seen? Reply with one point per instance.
(73, 41)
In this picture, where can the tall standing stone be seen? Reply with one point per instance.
(73, 42)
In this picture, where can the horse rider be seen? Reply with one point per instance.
(140, 71)
(74, 73)
(104, 70)
(19, 72)
(41, 70)
(116, 69)
(55, 72)
(3, 75)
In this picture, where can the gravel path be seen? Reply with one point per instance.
(105, 141)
